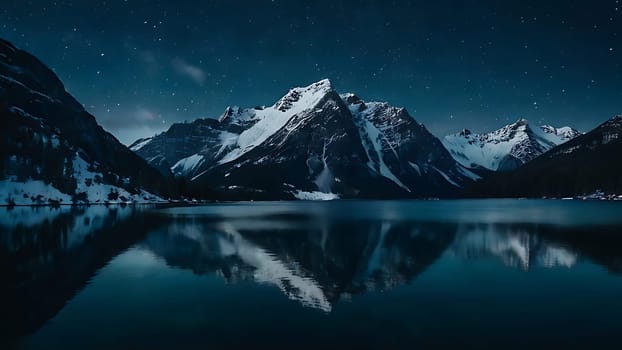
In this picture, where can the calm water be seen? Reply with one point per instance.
(400, 274)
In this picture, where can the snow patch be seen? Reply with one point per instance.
(140, 144)
(186, 165)
(468, 173)
(416, 167)
(22, 193)
(446, 177)
(315, 196)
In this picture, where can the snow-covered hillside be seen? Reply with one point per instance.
(53, 151)
(506, 148)
(90, 188)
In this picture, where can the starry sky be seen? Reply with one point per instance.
(140, 66)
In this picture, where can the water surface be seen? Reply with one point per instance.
(350, 274)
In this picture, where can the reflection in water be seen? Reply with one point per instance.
(48, 254)
(315, 257)
(319, 263)
(516, 245)
(314, 263)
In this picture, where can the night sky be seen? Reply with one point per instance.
(139, 66)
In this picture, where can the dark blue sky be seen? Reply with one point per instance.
(139, 66)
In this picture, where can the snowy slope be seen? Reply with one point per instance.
(270, 120)
(30, 192)
(89, 188)
(506, 148)
(138, 144)
(89, 183)
(186, 165)
(556, 136)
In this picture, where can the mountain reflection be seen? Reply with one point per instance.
(318, 262)
(48, 255)
(515, 245)
(312, 262)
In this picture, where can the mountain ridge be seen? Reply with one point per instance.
(506, 148)
(587, 164)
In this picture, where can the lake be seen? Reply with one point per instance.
(340, 274)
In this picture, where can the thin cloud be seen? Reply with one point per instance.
(148, 59)
(143, 114)
(133, 123)
(186, 69)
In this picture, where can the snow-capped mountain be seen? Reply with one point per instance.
(312, 143)
(507, 148)
(584, 165)
(52, 150)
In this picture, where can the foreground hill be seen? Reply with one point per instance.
(53, 151)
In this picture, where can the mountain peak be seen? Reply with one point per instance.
(324, 82)
(564, 132)
(322, 85)
(229, 111)
(304, 96)
(548, 128)
(351, 98)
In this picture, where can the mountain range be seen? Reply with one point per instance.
(587, 164)
(312, 143)
(507, 148)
